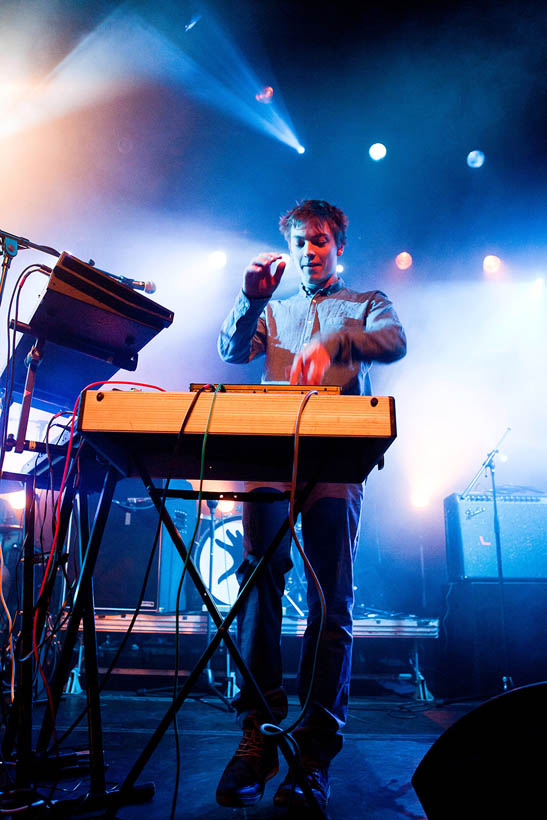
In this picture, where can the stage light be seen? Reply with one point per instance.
(265, 95)
(339, 268)
(491, 265)
(126, 50)
(377, 151)
(217, 260)
(195, 19)
(420, 499)
(475, 159)
(16, 500)
(301, 149)
(226, 506)
(403, 260)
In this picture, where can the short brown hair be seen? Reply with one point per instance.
(315, 210)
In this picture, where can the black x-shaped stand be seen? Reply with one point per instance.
(222, 634)
(83, 615)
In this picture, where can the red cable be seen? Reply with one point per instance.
(57, 525)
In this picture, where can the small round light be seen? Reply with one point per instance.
(491, 264)
(265, 95)
(339, 268)
(17, 500)
(403, 260)
(377, 151)
(301, 149)
(217, 260)
(226, 505)
(420, 499)
(475, 159)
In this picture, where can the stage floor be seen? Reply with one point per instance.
(386, 736)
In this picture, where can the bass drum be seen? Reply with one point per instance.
(219, 562)
(218, 566)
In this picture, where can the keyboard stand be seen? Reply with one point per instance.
(129, 792)
(222, 634)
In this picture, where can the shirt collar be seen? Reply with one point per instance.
(336, 285)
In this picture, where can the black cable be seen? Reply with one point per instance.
(53, 423)
(444, 620)
(270, 728)
(122, 645)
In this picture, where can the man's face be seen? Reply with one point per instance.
(314, 252)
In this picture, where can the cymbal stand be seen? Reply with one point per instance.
(489, 464)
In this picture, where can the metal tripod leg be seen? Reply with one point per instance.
(96, 750)
(421, 691)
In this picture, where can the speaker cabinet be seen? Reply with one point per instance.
(126, 547)
(472, 660)
(471, 542)
(490, 763)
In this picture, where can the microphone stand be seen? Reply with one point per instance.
(489, 464)
(10, 245)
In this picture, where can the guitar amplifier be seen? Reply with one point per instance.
(471, 541)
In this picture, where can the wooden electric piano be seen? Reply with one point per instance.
(250, 435)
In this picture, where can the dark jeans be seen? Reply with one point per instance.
(330, 529)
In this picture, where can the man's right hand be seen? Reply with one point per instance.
(262, 276)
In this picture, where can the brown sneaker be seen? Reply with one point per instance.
(253, 764)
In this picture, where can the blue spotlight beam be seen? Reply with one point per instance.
(126, 47)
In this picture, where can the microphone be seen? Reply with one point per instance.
(148, 287)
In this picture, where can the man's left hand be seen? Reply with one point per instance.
(311, 364)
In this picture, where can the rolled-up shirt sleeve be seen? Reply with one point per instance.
(380, 338)
(243, 333)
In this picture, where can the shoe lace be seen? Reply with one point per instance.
(316, 777)
(251, 744)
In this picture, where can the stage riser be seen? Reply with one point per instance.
(150, 658)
